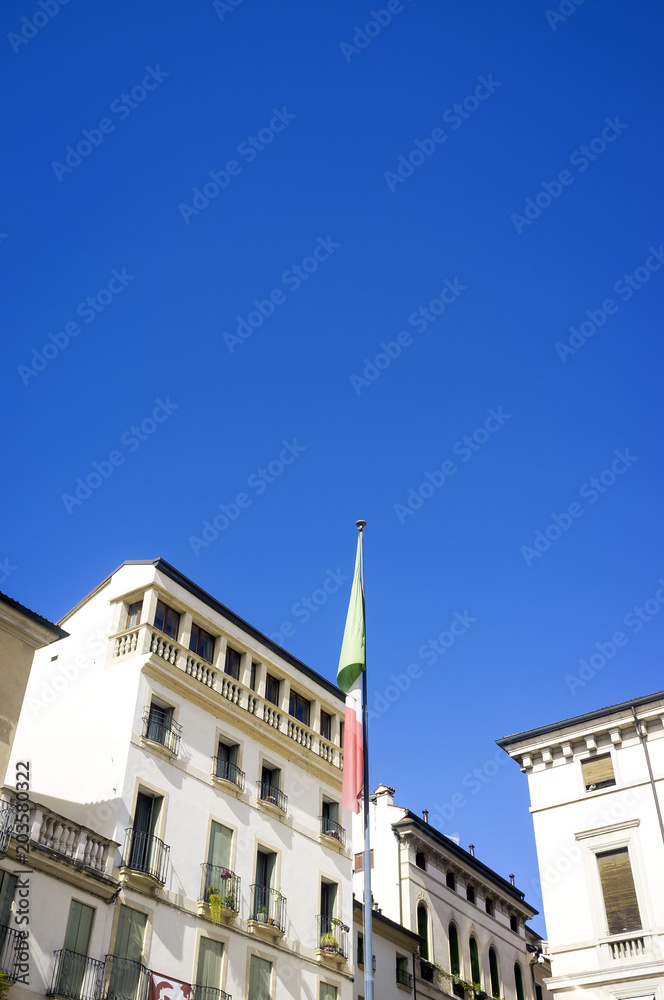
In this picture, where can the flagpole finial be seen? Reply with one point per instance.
(360, 525)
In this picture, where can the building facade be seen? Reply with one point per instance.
(182, 827)
(596, 783)
(471, 922)
(395, 952)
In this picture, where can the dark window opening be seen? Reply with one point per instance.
(167, 620)
(201, 643)
(299, 708)
(420, 860)
(272, 689)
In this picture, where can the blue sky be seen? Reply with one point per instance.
(393, 263)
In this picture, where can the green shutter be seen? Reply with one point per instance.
(423, 931)
(219, 851)
(495, 978)
(475, 962)
(79, 928)
(129, 938)
(518, 982)
(260, 973)
(7, 890)
(455, 967)
(209, 963)
(328, 992)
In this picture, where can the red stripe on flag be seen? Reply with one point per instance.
(353, 775)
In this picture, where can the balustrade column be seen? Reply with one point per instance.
(284, 703)
(79, 846)
(35, 830)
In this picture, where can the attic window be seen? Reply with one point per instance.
(420, 860)
(598, 772)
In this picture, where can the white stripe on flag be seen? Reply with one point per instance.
(353, 774)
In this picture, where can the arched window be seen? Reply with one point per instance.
(423, 930)
(455, 965)
(493, 969)
(475, 974)
(518, 981)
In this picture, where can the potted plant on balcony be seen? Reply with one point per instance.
(215, 901)
(261, 914)
(328, 942)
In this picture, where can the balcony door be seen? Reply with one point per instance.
(208, 973)
(73, 959)
(126, 967)
(266, 867)
(144, 850)
(218, 857)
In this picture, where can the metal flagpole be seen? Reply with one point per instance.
(368, 939)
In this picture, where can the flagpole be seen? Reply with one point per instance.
(368, 936)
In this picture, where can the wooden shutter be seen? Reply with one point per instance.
(598, 771)
(79, 928)
(260, 973)
(620, 902)
(219, 851)
(475, 962)
(359, 861)
(328, 992)
(209, 963)
(455, 966)
(129, 937)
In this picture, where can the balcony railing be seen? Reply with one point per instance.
(165, 733)
(272, 795)
(208, 993)
(229, 772)
(268, 906)
(11, 948)
(217, 881)
(146, 854)
(124, 979)
(427, 970)
(76, 977)
(332, 936)
(404, 978)
(59, 835)
(330, 828)
(7, 819)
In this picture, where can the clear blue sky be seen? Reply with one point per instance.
(525, 207)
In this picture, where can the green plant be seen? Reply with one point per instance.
(5, 984)
(215, 907)
(229, 901)
(328, 942)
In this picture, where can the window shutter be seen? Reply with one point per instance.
(328, 992)
(79, 928)
(219, 852)
(620, 902)
(455, 966)
(475, 962)
(598, 771)
(259, 978)
(129, 938)
(209, 963)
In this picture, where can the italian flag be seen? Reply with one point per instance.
(352, 664)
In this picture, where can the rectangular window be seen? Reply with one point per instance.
(328, 992)
(360, 950)
(620, 902)
(328, 899)
(270, 780)
(134, 614)
(488, 905)
(130, 934)
(227, 758)
(470, 894)
(260, 976)
(201, 643)
(341, 735)
(167, 620)
(252, 680)
(208, 972)
(450, 880)
(160, 725)
(325, 725)
(271, 689)
(359, 861)
(232, 665)
(72, 966)
(299, 708)
(598, 772)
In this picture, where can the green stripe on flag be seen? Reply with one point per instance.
(353, 657)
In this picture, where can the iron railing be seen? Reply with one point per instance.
(427, 970)
(208, 993)
(218, 881)
(332, 935)
(271, 794)
(404, 977)
(268, 906)
(76, 977)
(229, 772)
(11, 949)
(145, 853)
(124, 979)
(159, 731)
(330, 828)
(7, 820)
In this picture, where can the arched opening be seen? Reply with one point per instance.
(518, 981)
(455, 965)
(493, 969)
(475, 974)
(423, 930)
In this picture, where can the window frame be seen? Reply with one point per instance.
(130, 607)
(271, 680)
(295, 701)
(326, 730)
(589, 786)
(227, 660)
(203, 635)
(167, 609)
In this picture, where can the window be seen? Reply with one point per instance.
(71, 966)
(514, 923)
(598, 772)
(160, 728)
(260, 976)
(328, 992)
(226, 763)
(201, 643)
(270, 777)
(134, 614)
(420, 860)
(493, 969)
(125, 974)
(272, 689)
(475, 974)
(455, 965)
(488, 905)
(167, 620)
(360, 950)
(470, 894)
(325, 725)
(252, 679)
(620, 902)
(538, 991)
(7, 889)
(265, 897)
(299, 708)
(450, 880)
(328, 899)
(403, 976)
(330, 821)
(208, 972)
(232, 664)
(518, 982)
(341, 734)
(359, 861)
(423, 931)
(145, 853)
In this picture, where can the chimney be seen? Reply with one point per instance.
(471, 848)
(511, 879)
(425, 815)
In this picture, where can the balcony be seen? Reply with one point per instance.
(146, 856)
(225, 771)
(76, 977)
(404, 978)
(332, 939)
(124, 980)
(12, 950)
(164, 734)
(220, 893)
(271, 795)
(330, 828)
(268, 910)
(427, 970)
(7, 819)
(208, 993)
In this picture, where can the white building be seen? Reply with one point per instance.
(471, 922)
(183, 815)
(596, 784)
(395, 952)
